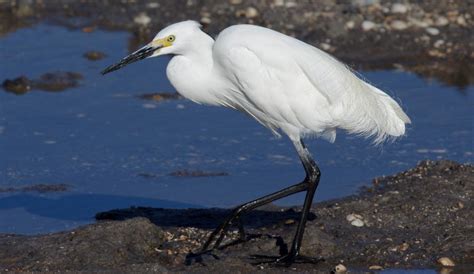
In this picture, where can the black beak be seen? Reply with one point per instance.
(140, 54)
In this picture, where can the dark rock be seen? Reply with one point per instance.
(51, 81)
(19, 86)
(57, 81)
(197, 173)
(41, 188)
(94, 55)
(161, 96)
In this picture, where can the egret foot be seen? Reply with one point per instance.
(285, 260)
(218, 235)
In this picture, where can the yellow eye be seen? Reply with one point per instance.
(170, 38)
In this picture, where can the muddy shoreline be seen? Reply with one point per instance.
(408, 220)
(430, 38)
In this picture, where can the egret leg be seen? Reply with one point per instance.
(309, 184)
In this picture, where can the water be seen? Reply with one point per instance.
(99, 138)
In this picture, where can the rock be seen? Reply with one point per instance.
(278, 3)
(290, 222)
(352, 217)
(251, 12)
(357, 223)
(340, 268)
(88, 29)
(350, 25)
(205, 20)
(398, 25)
(364, 3)
(355, 220)
(153, 5)
(94, 55)
(142, 19)
(399, 8)
(20, 85)
(160, 96)
(197, 173)
(57, 81)
(290, 4)
(461, 21)
(445, 261)
(441, 21)
(438, 43)
(375, 267)
(368, 25)
(325, 46)
(432, 31)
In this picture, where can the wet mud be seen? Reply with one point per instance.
(94, 55)
(50, 82)
(408, 220)
(40, 188)
(160, 96)
(431, 38)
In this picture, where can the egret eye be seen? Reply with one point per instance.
(170, 38)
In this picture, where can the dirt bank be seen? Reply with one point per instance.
(408, 220)
(432, 38)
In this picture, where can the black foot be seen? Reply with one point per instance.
(285, 260)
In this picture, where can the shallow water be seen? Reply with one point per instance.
(99, 138)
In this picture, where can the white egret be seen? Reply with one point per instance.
(285, 84)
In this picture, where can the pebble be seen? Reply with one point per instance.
(205, 20)
(441, 21)
(357, 223)
(325, 46)
(399, 8)
(368, 25)
(142, 19)
(375, 267)
(438, 43)
(94, 55)
(278, 3)
(340, 268)
(363, 3)
(352, 217)
(290, 4)
(445, 261)
(398, 25)
(153, 5)
(88, 29)
(432, 31)
(290, 222)
(461, 21)
(251, 12)
(355, 220)
(235, 2)
(350, 24)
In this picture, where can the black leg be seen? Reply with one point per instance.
(224, 226)
(309, 184)
(313, 175)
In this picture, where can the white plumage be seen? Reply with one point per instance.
(285, 84)
(280, 81)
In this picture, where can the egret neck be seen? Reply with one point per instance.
(190, 70)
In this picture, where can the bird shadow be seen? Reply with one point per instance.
(78, 207)
(204, 218)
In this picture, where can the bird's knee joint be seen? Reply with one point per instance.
(313, 177)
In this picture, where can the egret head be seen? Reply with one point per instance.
(173, 39)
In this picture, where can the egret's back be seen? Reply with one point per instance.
(287, 84)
